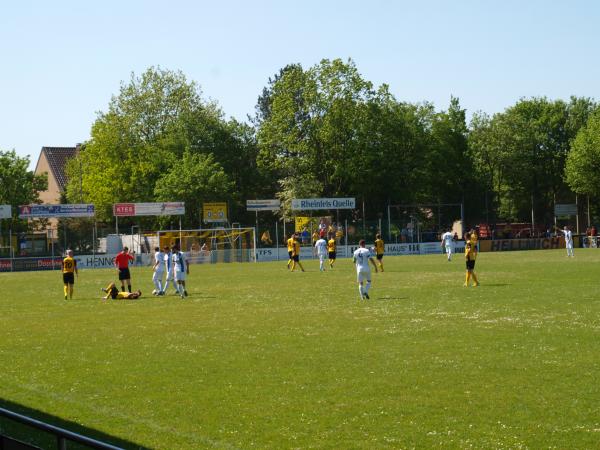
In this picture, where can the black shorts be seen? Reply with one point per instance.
(296, 258)
(68, 278)
(331, 255)
(470, 264)
(379, 256)
(290, 253)
(124, 274)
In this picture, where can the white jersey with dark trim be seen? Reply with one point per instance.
(179, 261)
(361, 258)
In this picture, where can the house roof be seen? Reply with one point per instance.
(57, 160)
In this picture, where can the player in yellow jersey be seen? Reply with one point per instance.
(473, 238)
(69, 270)
(379, 250)
(112, 292)
(296, 254)
(470, 257)
(331, 249)
(290, 247)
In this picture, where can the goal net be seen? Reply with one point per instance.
(424, 222)
(214, 245)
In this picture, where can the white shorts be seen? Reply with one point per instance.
(449, 249)
(158, 275)
(179, 276)
(322, 257)
(363, 275)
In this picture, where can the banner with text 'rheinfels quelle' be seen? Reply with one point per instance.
(149, 209)
(323, 203)
(47, 211)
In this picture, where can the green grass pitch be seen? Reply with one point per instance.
(258, 357)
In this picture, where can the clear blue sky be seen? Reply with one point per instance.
(61, 61)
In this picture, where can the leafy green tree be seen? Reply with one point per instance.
(262, 110)
(312, 127)
(145, 130)
(491, 160)
(329, 127)
(522, 153)
(194, 179)
(446, 165)
(582, 169)
(20, 186)
(296, 186)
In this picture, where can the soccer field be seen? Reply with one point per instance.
(258, 357)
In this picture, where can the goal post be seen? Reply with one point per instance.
(212, 245)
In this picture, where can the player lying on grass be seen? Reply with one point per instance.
(112, 292)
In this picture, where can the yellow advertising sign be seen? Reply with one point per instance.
(302, 222)
(214, 212)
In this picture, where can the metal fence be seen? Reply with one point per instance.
(61, 435)
(86, 236)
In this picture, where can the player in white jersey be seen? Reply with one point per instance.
(568, 239)
(361, 258)
(321, 249)
(181, 268)
(169, 269)
(159, 270)
(448, 244)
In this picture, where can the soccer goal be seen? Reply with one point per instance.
(213, 245)
(424, 222)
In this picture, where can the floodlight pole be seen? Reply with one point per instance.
(284, 233)
(11, 251)
(462, 218)
(277, 238)
(364, 218)
(588, 212)
(65, 225)
(94, 237)
(256, 213)
(389, 224)
(346, 236)
(577, 215)
(532, 216)
(255, 251)
(52, 245)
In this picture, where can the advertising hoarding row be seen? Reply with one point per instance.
(53, 211)
(211, 212)
(149, 209)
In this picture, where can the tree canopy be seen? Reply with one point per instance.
(583, 163)
(328, 131)
(20, 186)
